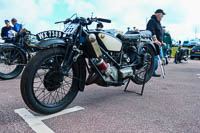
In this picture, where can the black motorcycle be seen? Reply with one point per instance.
(181, 54)
(55, 75)
(15, 55)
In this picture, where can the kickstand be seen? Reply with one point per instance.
(142, 90)
(143, 85)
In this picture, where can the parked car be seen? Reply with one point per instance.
(194, 42)
(186, 43)
(195, 52)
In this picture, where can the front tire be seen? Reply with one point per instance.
(12, 61)
(47, 63)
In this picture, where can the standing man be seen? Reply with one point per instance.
(155, 27)
(4, 31)
(17, 27)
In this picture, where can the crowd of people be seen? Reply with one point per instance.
(9, 30)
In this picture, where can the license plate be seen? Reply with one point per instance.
(50, 34)
(70, 29)
(197, 52)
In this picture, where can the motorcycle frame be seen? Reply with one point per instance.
(68, 57)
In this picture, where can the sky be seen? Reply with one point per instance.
(182, 17)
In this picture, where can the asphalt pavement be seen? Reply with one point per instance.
(170, 105)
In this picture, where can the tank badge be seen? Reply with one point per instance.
(102, 36)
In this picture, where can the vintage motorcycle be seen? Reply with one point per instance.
(54, 76)
(15, 55)
(181, 54)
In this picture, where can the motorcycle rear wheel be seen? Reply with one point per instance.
(54, 91)
(8, 69)
(147, 74)
(176, 59)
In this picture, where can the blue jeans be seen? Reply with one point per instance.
(156, 64)
(164, 52)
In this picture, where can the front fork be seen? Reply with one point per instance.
(71, 56)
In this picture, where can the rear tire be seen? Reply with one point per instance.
(50, 82)
(192, 57)
(139, 80)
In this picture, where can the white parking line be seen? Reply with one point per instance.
(198, 74)
(35, 122)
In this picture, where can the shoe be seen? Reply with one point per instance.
(156, 75)
(167, 62)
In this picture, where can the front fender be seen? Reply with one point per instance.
(81, 68)
(51, 43)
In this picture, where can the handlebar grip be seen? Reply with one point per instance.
(59, 22)
(65, 22)
(104, 20)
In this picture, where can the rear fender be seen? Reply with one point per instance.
(51, 43)
(149, 43)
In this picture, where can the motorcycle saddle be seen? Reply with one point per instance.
(135, 35)
(128, 36)
(146, 34)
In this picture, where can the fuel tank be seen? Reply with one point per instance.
(110, 42)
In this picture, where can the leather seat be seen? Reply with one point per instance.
(135, 36)
(128, 36)
(146, 34)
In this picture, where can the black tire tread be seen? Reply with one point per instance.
(26, 81)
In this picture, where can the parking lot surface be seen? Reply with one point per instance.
(170, 105)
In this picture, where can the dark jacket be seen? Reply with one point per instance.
(155, 27)
(4, 31)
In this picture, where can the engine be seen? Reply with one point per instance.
(110, 72)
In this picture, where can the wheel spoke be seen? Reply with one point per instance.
(49, 87)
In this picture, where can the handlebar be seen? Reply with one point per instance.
(59, 22)
(90, 20)
(65, 22)
(104, 20)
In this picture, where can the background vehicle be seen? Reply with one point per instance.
(181, 54)
(14, 56)
(194, 42)
(195, 52)
(59, 71)
(186, 43)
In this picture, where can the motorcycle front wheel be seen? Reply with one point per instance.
(44, 88)
(12, 62)
(144, 73)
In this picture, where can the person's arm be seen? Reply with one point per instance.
(2, 32)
